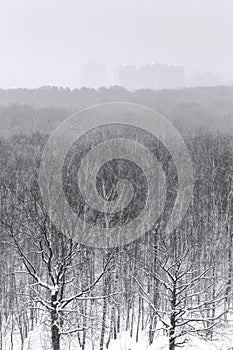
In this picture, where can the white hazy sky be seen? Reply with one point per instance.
(44, 41)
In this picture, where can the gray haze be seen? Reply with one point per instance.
(44, 41)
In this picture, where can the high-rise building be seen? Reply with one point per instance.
(204, 79)
(152, 76)
(128, 76)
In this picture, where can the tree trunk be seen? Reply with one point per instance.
(139, 318)
(172, 344)
(55, 336)
(172, 329)
(55, 331)
(103, 324)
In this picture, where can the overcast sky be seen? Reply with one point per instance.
(44, 41)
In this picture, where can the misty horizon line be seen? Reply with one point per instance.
(96, 74)
(108, 87)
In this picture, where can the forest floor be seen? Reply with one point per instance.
(39, 340)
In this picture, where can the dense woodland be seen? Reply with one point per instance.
(27, 111)
(178, 284)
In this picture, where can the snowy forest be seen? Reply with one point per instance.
(160, 291)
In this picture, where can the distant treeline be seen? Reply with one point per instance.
(27, 111)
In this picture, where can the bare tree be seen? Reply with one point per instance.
(186, 297)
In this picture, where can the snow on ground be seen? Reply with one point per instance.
(38, 339)
(124, 342)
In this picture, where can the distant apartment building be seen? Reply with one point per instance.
(127, 76)
(204, 79)
(93, 74)
(151, 76)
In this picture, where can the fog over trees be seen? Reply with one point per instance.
(178, 285)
